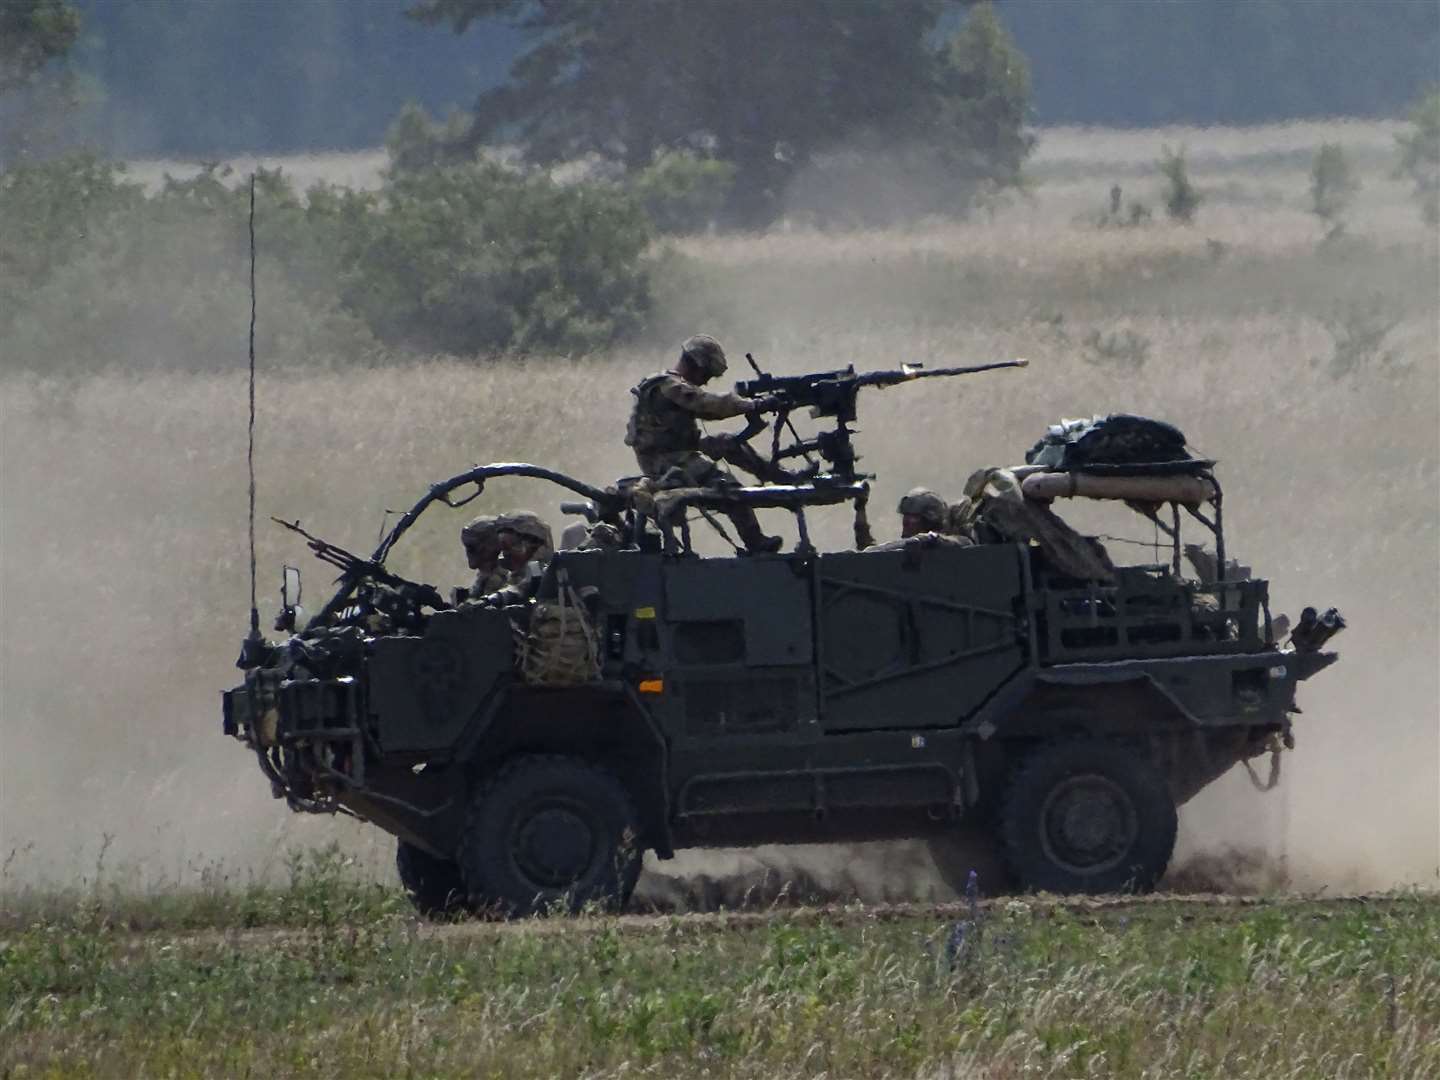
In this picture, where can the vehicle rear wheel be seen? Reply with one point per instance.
(434, 885)
(1087, 816)
(548, 832)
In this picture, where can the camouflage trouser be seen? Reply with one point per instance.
(683, 468)
(690, 468)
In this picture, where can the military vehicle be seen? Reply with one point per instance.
(649, 698)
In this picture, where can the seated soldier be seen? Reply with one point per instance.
(525, 547)
(664, 432)
(924, 513)
(481, 541)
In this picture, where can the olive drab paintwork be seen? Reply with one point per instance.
(816, 696)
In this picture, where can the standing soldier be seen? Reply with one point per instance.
(664, 431)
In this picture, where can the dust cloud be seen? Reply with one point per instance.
(124, 576)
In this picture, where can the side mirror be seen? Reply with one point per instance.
(290, 610)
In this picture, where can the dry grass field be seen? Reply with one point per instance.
(1310, 370)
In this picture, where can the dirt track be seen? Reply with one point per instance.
(1181, 909)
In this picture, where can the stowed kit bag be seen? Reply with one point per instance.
(1113, 443)
(560, 646)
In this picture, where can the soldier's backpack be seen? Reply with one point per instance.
(1115, 443)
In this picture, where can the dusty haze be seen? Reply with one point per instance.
(123, 571)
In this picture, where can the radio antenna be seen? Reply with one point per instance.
(250, 447)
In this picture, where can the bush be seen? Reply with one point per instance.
(682, 192)
(464, 259)
(1333, 185)
(984, 102)
(477, 257)
(1123, 350)
(1358, 329)
(1420, 154)
(1182, 198)
(51, 211)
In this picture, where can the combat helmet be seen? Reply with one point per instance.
(526, 524)
(926, 505)
(478, 529)
(705, 352)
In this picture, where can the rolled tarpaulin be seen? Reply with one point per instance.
(1187, 490)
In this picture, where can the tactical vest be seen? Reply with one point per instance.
(657, 425)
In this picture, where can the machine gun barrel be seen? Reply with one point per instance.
(833, 394)
(827, 388)
(907, 372)
(353, 567)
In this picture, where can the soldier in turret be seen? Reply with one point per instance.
(925, 516)
(922, 511)
(664, 431)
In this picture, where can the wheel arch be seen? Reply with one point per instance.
(1055, 704)
(607, 726)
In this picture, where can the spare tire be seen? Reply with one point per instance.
(1087, 816)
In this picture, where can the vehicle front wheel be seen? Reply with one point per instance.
(547, 832)
(1087, 816)
(434, 885)
(964, 849)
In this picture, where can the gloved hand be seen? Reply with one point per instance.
(716, 446)
(765, 403)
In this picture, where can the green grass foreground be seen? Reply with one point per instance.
(325, 977)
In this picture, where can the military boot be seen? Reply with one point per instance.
(751, 535)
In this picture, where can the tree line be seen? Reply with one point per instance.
(185, 78)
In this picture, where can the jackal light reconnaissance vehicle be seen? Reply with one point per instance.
(649, 698)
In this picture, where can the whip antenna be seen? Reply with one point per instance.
(250, 447)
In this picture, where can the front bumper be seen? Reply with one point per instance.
(307, 734)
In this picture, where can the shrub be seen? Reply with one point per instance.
(414, 141)
(1123, 350)
(1420, 154)
(681, 192)
(51, 211)
(1333, 185)
(1358, 330)
(1182, 198)
(983, 84)
(463, 259)
(478, 257)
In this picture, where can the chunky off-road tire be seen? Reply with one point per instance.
(433, 885)
(550, 833)
(1087, 816)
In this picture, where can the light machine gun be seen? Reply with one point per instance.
(831, 395)
(402, 600)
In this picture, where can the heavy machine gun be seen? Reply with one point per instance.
(831, 395)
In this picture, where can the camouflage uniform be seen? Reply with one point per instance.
(664, 432)
(664, 427)
(934, 518)
(482, 535)
(517, 581)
